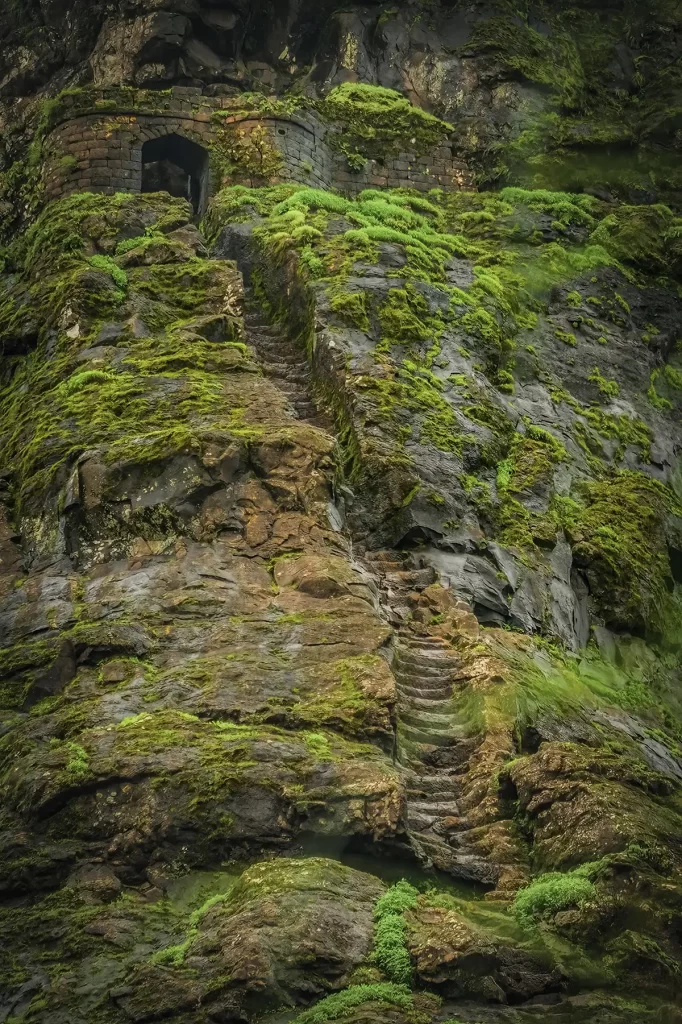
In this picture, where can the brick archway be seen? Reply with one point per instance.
(175, 164)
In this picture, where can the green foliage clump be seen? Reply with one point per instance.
(340, 1004)
(167, 390)
(618, 536)
(532, 456)
(174, 956)
(241, 154)
(668, 376)
(638, 235)
(552, 60)
(378, 122)
(566, 208)
(550, 893)
(405, 317)
(353, 307)
(629, 430)
(106, 263)
(77, 764)
(240, 202)
(608, 388)
(390, 952)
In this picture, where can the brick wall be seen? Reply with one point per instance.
(101, 149)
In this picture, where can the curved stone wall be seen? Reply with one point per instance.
(100, 149)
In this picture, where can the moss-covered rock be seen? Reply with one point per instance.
(287, 931)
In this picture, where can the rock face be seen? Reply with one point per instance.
(286, 932)
(342, 528)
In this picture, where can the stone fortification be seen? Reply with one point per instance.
(97, 145)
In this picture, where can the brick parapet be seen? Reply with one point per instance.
(100, 148)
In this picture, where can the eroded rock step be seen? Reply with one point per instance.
(423, 666)
(424, 669)
(284, 364)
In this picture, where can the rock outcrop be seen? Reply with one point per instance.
(340, 527)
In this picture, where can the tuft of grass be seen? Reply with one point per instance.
(550, 893)
(390, 952)
(341, 1003)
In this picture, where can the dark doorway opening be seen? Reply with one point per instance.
(176, 165)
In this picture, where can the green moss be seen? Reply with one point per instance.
(353, 308)
(77, 764)
(249, 155)
(166, 395)
(564, 207)
(550, 893)
(552, 60)
(174, 956)
(608, 388)
(567, 337)
(318, 745)
(68, 164)
(390, 952)
(341, 1004)
(618, 535)
(629, 430)
(631, 951)
(658, 401)
(531, 457)
(118, 276)
(378, 122)
(638, 235)
(405, 318)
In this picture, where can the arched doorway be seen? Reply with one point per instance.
(176, 165)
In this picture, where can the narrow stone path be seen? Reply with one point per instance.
(283, 363)
(423, 666)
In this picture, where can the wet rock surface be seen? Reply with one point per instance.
(346, 525)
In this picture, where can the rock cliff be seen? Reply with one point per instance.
(340, 512)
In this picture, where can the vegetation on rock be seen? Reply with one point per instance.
(368, 542)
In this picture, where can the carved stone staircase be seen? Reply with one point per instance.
(428, 728)
(423, 666)
(283, 363)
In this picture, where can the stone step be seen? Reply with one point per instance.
(412, 577)
(428, 736)
(431, 688)
(423, 678)
(427, 719)
(433, 848)
(417, 821)
(276, 362)
(256, 321)
(440, 808)
(430, 700)
(443, 780)
(436, 796)
(424, 700)
(293, 378)
(426, 656)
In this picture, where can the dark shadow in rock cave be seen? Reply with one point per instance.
(178, 166)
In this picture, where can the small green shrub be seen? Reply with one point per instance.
(550, 893)
(341, 1003)
(390, 952)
